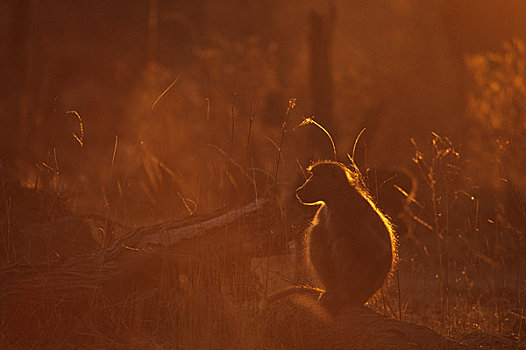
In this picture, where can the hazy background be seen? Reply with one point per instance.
(398, 69)
(115, 114)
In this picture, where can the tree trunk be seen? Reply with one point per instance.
(321, 82)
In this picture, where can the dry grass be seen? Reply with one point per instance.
(460, 272)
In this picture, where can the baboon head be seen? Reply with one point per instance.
(327, 180)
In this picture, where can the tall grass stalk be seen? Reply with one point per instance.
(310, 120)
(165, 91)
(435, 173)
(114, 154)
(80, 136)
(249, 134)
(290, 107)
(233, 116)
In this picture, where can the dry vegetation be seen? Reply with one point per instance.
(183, 159)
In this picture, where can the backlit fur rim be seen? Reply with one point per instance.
(355, 178)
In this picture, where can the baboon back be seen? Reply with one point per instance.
(349, 241)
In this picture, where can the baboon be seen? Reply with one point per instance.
(350, 244)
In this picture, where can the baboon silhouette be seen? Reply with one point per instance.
(350, 244)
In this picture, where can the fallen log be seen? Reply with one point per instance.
(197, 259)
(248, 231)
